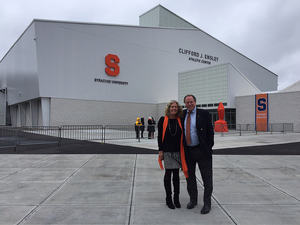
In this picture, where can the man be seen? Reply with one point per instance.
(199, 140)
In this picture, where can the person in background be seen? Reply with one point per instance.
(138, 124)
(150, 128)
(153, 131)
(153, 121)
(142, 128)
(199, 140)
(171, 150)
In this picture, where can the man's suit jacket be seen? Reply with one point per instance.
(205, 131)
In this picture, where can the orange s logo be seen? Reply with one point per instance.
(113, 68)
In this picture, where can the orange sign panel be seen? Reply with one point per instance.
(261, 112)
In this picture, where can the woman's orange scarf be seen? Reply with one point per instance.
(182, 154)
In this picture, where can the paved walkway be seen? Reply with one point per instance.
(128, 188)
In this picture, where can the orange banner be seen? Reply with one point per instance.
(261, 112)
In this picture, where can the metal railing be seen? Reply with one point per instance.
(58, 135)
(8, 137)
(115, 132)
(32, 135)
(80, 132)
(257, 128)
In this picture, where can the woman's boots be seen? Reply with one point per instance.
(169, 202)
(176, 184)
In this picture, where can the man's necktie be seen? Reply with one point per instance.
(188, 129)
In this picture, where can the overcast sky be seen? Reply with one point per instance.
(266, 31)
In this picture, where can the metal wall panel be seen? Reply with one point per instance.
(18, 69)
(71, 56)
(66, 60)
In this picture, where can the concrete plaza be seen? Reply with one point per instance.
(128, 188)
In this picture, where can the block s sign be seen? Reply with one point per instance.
(261, 112)
(112, 68)
(261, 104)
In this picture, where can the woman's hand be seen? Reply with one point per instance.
(161, 155)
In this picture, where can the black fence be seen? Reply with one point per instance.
(255, 128)
(58, 135)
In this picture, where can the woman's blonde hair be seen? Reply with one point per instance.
(167, 109)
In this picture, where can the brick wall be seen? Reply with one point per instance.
(90, 112)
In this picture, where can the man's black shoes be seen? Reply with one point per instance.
(191, 205)
(205, 209)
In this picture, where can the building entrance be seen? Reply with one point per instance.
(230, 117)
(214, 117)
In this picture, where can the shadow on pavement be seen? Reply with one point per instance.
(278, 149)
(76, 147)
(88, 147)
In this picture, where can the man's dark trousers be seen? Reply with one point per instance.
(196, 156)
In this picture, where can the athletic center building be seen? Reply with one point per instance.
(75, 73)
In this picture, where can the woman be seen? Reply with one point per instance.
(151, 128)
(171, 150)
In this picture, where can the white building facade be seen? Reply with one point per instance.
(70, 73)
